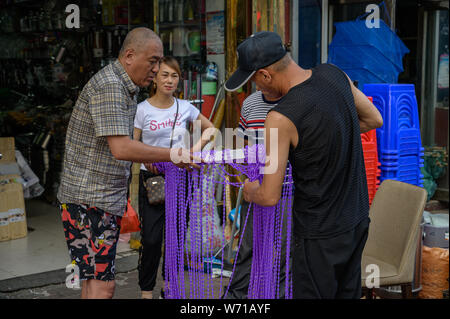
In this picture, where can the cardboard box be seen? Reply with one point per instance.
(5, 233)
(12, 211)
(7, 149)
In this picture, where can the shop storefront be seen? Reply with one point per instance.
(49, 50)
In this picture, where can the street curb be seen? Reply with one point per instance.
(125, 262)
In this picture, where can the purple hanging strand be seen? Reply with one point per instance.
(210, 244)
(170, 244)
(195, 234)
(182, 229)
(224, 213)
(239, 246)
(288, 284)
(278, 239)
(168, 239)
(268, 226)
(190, 227)
(200, 234)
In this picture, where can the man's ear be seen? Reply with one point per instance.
(129, 56)
(264, 74)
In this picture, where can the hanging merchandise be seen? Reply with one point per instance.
(179, 10)
(179, 43)
(98, 43)
(162, 10)
(192, 42)
(197, 201)
(189, 11)
(211, 72)
(170, 10)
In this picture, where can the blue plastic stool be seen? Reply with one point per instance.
(399, 142)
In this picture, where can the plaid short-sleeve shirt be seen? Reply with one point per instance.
(91, 175)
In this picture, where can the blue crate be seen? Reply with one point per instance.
(415, 180)
(400, 133)
(396, 160)
(411, 175)
(410, 160)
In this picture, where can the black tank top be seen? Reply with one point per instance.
(331, 195)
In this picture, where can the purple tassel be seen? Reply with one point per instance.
(194, 200)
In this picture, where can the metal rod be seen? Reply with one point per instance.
(216, 101)
(233, 228)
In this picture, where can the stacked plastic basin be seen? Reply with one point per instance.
(400, 150)
(370, 151)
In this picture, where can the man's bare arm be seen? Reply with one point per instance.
(269, 192)
(125, 149)
(369, 116)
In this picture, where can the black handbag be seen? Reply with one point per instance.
(155, 185)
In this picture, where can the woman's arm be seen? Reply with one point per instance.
(206, 134)
(137, 134)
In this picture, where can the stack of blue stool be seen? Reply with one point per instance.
(400, 150)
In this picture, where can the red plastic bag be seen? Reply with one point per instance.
(130, 221)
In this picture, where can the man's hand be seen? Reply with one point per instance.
(183, 158)
(369, 116)
(249, 189)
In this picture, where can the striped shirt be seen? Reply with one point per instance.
(253, 115)
(91, 175)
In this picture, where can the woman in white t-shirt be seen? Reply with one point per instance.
(156, 118)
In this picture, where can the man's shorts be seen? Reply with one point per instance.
(91, 236)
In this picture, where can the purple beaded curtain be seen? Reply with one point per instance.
(190, 215)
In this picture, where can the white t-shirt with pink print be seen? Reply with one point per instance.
(156, 124)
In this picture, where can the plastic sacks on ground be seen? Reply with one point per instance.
(434, 272)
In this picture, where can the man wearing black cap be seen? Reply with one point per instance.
(318, 123)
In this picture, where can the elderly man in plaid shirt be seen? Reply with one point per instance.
(97, 160)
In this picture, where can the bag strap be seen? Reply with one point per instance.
(173, 127)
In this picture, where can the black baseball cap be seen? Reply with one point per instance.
(256, 52)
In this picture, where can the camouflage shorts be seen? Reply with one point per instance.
(91, 236)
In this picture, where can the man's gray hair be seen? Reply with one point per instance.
(137, 38)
